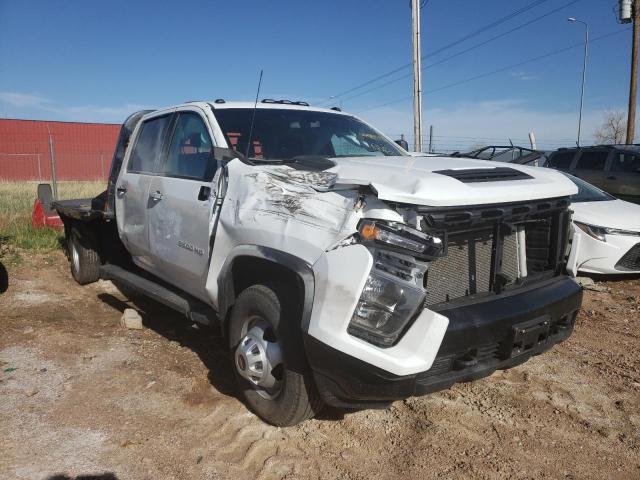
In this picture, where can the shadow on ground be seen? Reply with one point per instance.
(206, 342)
(4, 278)
(623, 277)
(203, 341)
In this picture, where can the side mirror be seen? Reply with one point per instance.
(403, 143)
(225, 154)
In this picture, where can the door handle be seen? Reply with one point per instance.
(611, 178)
(204, 193)
(156, 195)
(121, 189)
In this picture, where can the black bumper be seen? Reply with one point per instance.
(483, 336)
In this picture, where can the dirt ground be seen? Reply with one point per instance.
(82, 396)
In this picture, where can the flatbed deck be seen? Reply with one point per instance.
(84, 209)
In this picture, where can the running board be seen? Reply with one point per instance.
(192, 308)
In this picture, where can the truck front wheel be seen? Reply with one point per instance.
(268, 358)
(83, 256)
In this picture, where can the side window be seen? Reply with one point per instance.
(592, 160)
(625, 162)
(561, 160)
(190, 150)
(148, 145)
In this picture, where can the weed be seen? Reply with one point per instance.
(16, 203)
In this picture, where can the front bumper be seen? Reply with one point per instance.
(594, 256)
(483, 336)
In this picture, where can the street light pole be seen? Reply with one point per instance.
(584, 71)
(633, 82)
(417, 76)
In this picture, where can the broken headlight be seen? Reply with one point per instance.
(384, 309)
(400, 236)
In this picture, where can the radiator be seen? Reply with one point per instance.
(452, 276)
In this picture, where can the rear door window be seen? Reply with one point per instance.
(148, 147)
(626, 163)
(190, 150)
(561, 160)
(592, 160)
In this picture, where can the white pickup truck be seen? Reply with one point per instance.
(341, 270)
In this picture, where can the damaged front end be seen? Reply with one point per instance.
(439, 295)
(408, 299)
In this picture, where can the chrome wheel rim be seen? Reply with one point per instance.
(75, 257)
(258, 357)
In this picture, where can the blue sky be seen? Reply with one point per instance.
(99, 61)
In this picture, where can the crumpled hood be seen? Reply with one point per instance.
(612, 214)
(412, 180)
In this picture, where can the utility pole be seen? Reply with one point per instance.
(633, 83)
(417, 76)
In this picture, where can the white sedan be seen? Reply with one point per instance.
(606, 233)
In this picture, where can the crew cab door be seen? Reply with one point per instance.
(132, 187)
(181, 201)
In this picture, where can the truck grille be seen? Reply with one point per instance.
(483, 258)
(630, 260)
(454, 275)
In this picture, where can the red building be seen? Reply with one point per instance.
(82, 151)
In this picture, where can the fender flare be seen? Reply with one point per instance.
(226, 296)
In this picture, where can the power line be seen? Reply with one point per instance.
(441, 49)
(455, 55)
(502, 69)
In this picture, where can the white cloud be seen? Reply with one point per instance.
(20, 100)
(91, 113)
(488, 122)
(29, 105)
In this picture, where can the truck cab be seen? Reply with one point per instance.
(341, 270)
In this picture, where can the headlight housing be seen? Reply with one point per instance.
(600, 233)
(384, 309)
(399, 236)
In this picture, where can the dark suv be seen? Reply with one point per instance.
(612, 168)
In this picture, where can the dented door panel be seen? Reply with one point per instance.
(179, 231)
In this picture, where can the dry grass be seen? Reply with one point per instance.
(16, 203)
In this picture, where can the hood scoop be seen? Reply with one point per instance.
(475, 175)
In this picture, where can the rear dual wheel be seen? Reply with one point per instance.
(83, 255)
(268, 358)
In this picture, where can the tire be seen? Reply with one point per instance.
(294, 397)
(83, 256)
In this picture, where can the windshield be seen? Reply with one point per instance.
(587, 192)
(282, 134)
